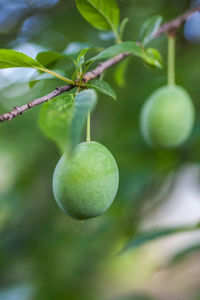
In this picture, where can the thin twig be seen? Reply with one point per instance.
(169, 27)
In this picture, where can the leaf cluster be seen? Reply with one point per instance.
(63, 118)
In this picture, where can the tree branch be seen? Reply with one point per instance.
(169, 27)
(18, 110)
(104, 66)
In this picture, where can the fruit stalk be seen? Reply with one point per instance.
(171, 59)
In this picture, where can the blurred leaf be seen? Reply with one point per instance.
(149, 28)
(102, 14)
(42, 76)
(74, 48)
(102, 87)
(145, 237)
(135, 297)
(122, 26)
(22, 292)
(14, 59)
(153, 58)
(84, 102)
(55, 117)
(107, 36)
(182, 254)
(120, 72)
(48, 58)
(131, 47)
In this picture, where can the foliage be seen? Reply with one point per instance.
(55, 118)
(149, 29)
(45, 254)
(102, 87)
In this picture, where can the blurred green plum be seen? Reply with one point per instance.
(86, 184)
(167, 117)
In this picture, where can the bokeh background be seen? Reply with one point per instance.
(46, 255)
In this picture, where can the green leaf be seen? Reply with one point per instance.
(149, 28)
(47, 58)
(130, 47)
(150, 56)
(148, 236)
(84, 102)
(81, 56)
(183, 253)
(79, 63)
(102, 14)
(14, 59)
(102, 87)
(120, 72)
(55, 117)
(122, 26)
(153, 58)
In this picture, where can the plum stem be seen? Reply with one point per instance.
(88, 139)
(171, 59)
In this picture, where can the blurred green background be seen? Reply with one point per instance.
(46, 255)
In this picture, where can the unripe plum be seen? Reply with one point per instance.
(167, 117)
(86, 184)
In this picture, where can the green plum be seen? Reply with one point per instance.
(86, 184)
(167, 117)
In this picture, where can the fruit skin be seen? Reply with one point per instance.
(192, 28)
(167, 117)
(85, 185)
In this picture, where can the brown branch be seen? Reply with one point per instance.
(169, 27)
(18, 110)
(104, 66)
(174, 25)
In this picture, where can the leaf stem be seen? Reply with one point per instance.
(171, 59)
(88, 138)
(69, 81)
